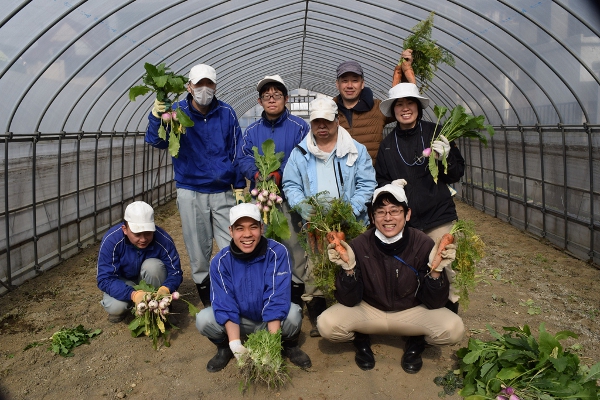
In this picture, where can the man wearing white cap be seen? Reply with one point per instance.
(386, 286)
(208, 180)
(132, 251)
(286, 130)
(328, 159)
(251, 284)
(359, 110)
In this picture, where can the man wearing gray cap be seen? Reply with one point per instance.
(359, 112)
(205, 170)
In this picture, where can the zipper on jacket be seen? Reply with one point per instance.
(341, 180)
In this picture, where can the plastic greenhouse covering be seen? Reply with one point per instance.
(73, 143)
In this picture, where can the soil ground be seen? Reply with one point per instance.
(521, 281)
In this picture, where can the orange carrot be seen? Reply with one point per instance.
(336, 237)
(444, 241)
(397, 78)
(409, 74)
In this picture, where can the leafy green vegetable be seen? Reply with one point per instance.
(66, 339)
(158, 79)
(263, 362)
(459, 124)
(532, 368)
(267, 192)
(426, 54)
(330, 215)
(469, 250)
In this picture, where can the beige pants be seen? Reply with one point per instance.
(440, 326)
(436, 234)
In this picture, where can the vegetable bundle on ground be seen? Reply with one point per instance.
(266, 192)
(151, 315)
(158, 79)
(333, 221)
(459, 124)
(65, 340)
(263, 363)
(517, 364)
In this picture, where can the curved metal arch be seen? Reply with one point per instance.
(185, 45)
(56, 56)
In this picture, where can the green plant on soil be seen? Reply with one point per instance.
(426, 53)
(168, 86)
(330, 215)
(66, 339)
(517, 363)
(263, 363)
(469, 250)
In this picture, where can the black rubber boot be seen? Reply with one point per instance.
(292, 351)
(364, 357)
(221, 359)
(297, 292)
(411, 359)
(204, 292)
(315, 307)
(452, 306)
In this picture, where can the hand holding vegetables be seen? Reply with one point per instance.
(239, 195)
(441, 147)
(163, 290)
(158, 108)
(237, 348)
(337, 256)
(138, 296)
(443, 253)
(306, 211)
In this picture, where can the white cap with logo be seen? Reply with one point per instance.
(244, 210)
(140, 217)
(201, 71)
(269, 79)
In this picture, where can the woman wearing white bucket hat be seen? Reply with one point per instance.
(401, 156)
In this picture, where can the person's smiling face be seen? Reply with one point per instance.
(390, 219)
(246, 233)
(406, 111)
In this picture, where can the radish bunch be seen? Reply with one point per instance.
(265, 200)
(157, 304)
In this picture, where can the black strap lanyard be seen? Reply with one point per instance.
(413, 270)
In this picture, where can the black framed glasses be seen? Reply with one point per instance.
(393, 212)
(268, 96)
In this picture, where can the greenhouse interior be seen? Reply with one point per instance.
(74, 154)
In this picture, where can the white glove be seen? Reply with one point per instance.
(158, 108)
(239, 195)
(334, 256)
(448, 256)
(441, 146)
(237, 348)
(306, 211)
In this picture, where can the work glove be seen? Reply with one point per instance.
(159, 108)
(441, 146)
(448, 255)
(306, 211)
(239, 196)
(237, 348)
(334, 256)
(163, 291)
(257, 177)
(276, 176)
(138, 296)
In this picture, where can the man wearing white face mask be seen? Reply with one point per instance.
(208, 181)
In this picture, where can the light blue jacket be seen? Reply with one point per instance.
(355, 185)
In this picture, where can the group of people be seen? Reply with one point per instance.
(384, 286)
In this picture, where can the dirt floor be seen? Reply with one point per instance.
(522, 281)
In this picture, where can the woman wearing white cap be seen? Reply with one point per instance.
(385, 286)
(400, 156)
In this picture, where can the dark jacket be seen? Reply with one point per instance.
(387, 283)
(431, 203)
(364, 121)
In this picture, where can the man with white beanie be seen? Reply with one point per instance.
(132, 251)
(208, 180)
(386, 286)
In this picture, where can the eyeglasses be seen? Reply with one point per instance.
(268, 96)
(394, 212)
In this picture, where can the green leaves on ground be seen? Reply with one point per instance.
(66, 339)
(159, 80)
(426, 53)
(263, 363)
(459, 124)
(535, 368)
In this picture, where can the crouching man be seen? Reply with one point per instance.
(251, 282)
(133, 251)
(387, 287)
